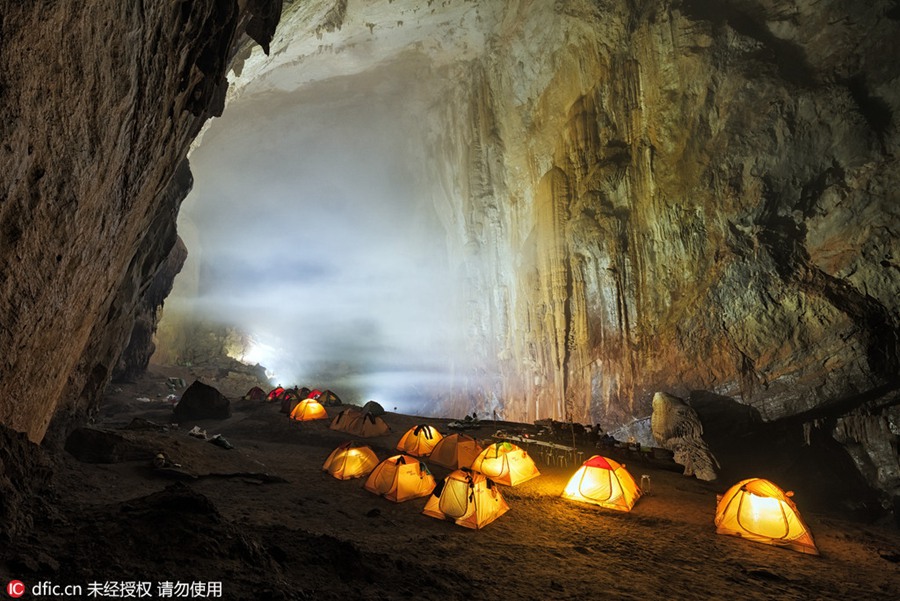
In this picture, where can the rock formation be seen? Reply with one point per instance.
(99, 102)
(676, 427)
(683, 195)
(201, 401)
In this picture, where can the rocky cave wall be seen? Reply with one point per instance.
(693, 197)
(685, 196)
(99, 102)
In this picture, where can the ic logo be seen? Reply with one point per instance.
(15, 588)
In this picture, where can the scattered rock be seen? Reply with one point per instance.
(140, 423)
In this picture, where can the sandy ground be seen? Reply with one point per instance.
(314, 537)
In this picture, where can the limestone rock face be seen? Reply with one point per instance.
(676, 427)
(680, 195)
(99, 103)
(136, 356)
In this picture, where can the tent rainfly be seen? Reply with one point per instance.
(468, 499)
(603, 482)
(419, 441)
(455, 451)
(255, 394)
(505, 463)
(349, 461)
(355, 422)
(400, 478)
(307, 410)
(758, 510)
(275, 394)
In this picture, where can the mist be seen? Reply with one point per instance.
(311, 230)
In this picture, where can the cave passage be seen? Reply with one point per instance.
(311, 233)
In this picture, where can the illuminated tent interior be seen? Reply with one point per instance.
(350, 461)
(758, 510)
(527, 209)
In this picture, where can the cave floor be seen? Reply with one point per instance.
(314, 537)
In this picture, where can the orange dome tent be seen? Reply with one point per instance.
(505, 463)
(358, 423)
(603, 482)
(468, 499)
(455, 451)
(419, 440)
(349, 461)
(400, 478)
(758, 510)
(307, 410)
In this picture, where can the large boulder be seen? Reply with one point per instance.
(676, 427)
(91, 445)
(201, 401)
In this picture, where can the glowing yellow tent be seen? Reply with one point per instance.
(455, 451)
(505, 463)
(758, 510)
(603, 482)
(359, 423)
(348, 461)
(419, 441)
(308, 409)
(468, 499)
(400, 478)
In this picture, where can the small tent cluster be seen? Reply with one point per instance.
(754, 509)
